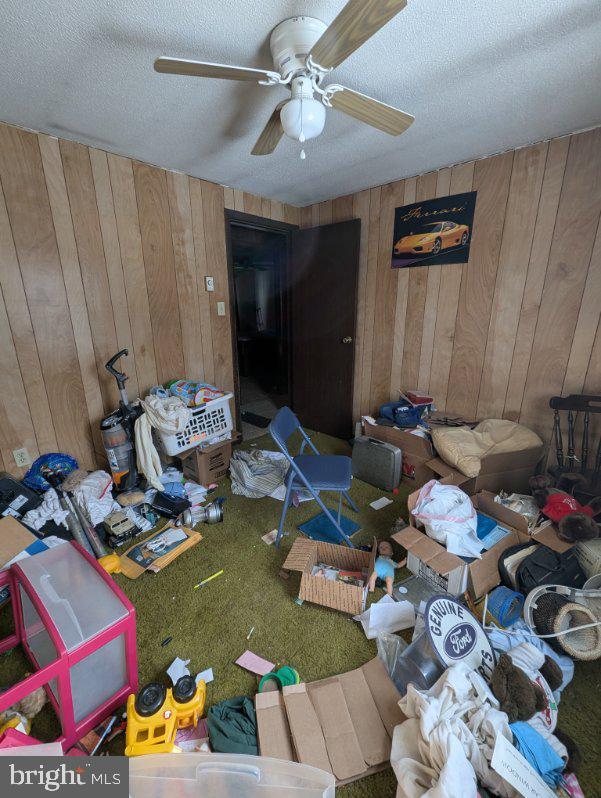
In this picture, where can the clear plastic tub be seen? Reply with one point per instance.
(197, 775)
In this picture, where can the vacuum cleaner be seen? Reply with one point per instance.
(118, 433)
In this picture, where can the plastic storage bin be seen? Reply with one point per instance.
(208, 421)
(79, 631)
(217, 775)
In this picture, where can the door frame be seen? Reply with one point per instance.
(249, 220)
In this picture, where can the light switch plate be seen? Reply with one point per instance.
(22, 457)
(209, 283)
(221, 308)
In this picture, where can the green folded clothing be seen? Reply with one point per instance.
(232, 726)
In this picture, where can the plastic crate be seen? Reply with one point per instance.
(208, 421)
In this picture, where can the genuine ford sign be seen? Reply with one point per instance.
(459, 641)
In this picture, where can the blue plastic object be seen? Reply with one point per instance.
(313, 472)
(321, 528)
(505, 605)
(56, 461)
(403, 413)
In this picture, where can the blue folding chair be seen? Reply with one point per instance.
(313, 472)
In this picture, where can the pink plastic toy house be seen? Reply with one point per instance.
(79, 631)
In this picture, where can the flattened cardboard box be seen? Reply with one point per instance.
(448, 572)
(343, 724)
(306, 553)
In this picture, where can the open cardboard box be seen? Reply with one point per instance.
(306, 553)
(343, 724)
(448, 572)
(508, 471)
(545, 534)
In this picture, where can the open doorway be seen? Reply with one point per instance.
(259, 253)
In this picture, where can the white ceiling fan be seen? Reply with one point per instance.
(304, 51)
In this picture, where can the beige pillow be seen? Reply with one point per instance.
(464, 448)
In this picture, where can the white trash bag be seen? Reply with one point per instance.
(448, 516)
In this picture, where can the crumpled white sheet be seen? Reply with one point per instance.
(49, 509)
(94, 496)
(386, 615)
(448, 739)
(448, 516)
(166, 415)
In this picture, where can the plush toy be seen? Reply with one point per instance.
(575, 521)
(384, 567)
(523, 682)
(20, 715)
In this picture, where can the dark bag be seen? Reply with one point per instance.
(543, 566)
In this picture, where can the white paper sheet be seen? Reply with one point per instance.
(513, 767)
(378, 504)
(386, 615)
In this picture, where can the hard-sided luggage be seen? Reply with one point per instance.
(377, 463)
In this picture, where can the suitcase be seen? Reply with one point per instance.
(377, 463)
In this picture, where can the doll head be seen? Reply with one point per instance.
(385, 548)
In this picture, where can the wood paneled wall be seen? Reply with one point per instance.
(98, 253)
(495, 337)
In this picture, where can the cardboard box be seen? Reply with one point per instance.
(416, 452)
(306, 553)
(505, 471)
(343, 724)
(546, 533)
(448, 572)
(14, 538)
(207, 465)
(509, 471)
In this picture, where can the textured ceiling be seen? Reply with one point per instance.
(478, 76)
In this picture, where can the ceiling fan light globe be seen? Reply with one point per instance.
(306, 116)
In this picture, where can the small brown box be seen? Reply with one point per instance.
(207, 465)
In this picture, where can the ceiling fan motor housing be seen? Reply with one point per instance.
(292, 40)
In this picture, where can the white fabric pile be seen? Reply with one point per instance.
(448, 738)
(49, 509)
(94, 496)
(448, 516)
(166, 415)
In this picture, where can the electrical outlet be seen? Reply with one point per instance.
(22, 457)
(221, 308)
(210, 283)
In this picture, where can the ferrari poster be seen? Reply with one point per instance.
(433, 231)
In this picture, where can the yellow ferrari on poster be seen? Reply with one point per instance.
(434, 231)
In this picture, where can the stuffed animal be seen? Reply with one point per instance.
(575, 521)
(20, 715)
(523, 682)
(384, 567)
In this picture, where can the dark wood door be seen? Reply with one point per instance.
(323, 293)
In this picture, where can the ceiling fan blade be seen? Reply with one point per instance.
(204, 69)
(271, 133)
(355, 24)
(372, 112)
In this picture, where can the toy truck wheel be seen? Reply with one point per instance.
(150, 699)
(184, 689)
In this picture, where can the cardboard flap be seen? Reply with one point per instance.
(407, 537)
(547, 535)
(485, 502)
(448, 475)
(372, 558)
(384, 693)
(307, 736)
(369, 727)
(301, 555)
(510, 461)
(14, 538)
(272, 726)
(342, 745)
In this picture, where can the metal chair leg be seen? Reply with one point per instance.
(350, 502)
(284, 511)
(341, 531)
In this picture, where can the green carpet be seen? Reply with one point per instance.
(209, 626)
